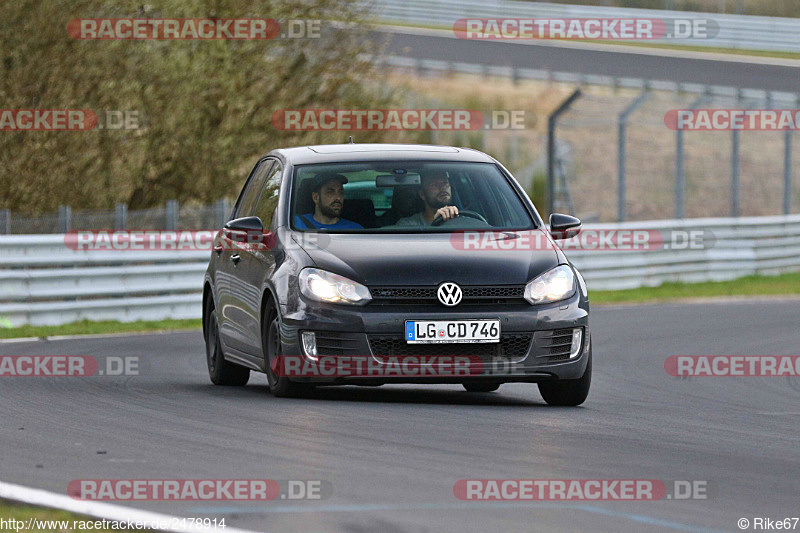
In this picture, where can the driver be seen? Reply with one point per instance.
(435, 192)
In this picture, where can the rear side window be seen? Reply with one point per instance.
(268, 200)
(247, 200)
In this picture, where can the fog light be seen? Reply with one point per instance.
(310, 343)
(577, 342)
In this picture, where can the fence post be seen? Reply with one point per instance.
(680, 171)
(172, 214)
(622, 125)
(223, 210)
(552, 121)
(120, 216)
(735, 164)
(5, 222)
(64, 218)
(787, 167)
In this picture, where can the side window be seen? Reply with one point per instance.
(247, 200)
(268, 200)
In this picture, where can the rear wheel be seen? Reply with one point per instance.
(220, 371)
(481, 387)
(568, 392)
(279, 386)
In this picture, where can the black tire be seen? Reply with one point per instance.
(279, 386)
(569, 392)
(481, 387)
(220, 371)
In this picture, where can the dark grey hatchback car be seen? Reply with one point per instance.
(367, 264)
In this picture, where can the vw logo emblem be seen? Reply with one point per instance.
(449, 294)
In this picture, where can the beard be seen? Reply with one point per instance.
(435, 203)
(331, 212)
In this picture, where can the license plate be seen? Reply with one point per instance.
(452, 331)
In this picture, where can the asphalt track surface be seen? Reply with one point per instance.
(392, 454)
(619, 61)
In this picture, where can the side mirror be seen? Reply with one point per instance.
(564, 226)
(245, 224)
(249, 231)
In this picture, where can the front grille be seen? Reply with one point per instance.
(553, 345)
(514, 345)
(472, 295)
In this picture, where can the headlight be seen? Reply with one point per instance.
(325, 286)
(552, 286)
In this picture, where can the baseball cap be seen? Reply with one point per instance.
(319, 179)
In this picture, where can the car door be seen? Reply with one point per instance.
(232, 290)
(258, 262)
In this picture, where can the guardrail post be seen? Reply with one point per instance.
(552, 121)
(120, 216)
(172, 214)
(64, 218)
(223, 211)
(622, 125)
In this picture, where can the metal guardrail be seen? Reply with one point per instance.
(42, 282)
(740, 247)
(735, 31)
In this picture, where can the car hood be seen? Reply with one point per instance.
(431, 258)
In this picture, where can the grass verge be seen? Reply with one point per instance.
(45, 520)
(87, 327)
(785, 284)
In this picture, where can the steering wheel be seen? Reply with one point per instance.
(439, 220)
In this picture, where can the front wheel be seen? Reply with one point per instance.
(279, 386)
(570, 392)
(220, 371)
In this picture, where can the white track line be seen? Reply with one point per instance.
(101, 510)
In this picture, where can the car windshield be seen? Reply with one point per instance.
(403, 197)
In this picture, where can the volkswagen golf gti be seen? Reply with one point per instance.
(369, 264)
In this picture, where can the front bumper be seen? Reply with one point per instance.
(376, 332)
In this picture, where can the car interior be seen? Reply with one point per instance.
(376, 203)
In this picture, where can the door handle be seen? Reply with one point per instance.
(235, 258)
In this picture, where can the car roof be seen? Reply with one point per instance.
(333, 153)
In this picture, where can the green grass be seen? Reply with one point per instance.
(86, 327)
(9, 511)
(785, 284)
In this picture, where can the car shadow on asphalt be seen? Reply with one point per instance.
(409, 394)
